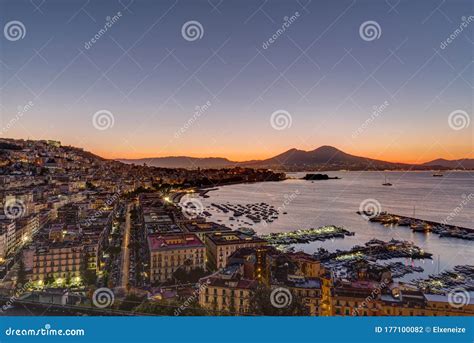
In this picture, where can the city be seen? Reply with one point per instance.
(236, 171)
(80, 234)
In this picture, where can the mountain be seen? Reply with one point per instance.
(441, 163)
(322, 158)
(183, 162)
(325, 158)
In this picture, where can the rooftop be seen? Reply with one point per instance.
(233, 237)
(159, 242)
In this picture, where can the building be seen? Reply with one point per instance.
(201, 228)
(227, 292)
(220, 245)
(170, 252)
(61, 255)
(68, 214)
(8, 227)
(58, 262)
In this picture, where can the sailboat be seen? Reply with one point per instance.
(386, 183)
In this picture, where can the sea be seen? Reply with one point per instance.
(312, 204)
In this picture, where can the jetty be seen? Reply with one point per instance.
(421, 225)
(306, 235)
(375, 250)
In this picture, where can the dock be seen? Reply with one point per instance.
(422, 225)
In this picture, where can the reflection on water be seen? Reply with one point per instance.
(335, 202)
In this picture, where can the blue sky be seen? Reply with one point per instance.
(319, 71)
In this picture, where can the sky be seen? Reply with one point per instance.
(246, 80)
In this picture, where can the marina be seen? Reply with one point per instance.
(307, 235)
(321, 204)
(421, 225)
(375, 250)
(443, 283)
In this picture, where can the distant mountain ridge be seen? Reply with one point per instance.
(322, 158)
(465, 163)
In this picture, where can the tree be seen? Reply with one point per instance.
(88, 276)
(49, 280)
(170, 308)
(21, 276)
(261, 304)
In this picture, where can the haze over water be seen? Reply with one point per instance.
(335, 202)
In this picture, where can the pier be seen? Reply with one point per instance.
(421, 225)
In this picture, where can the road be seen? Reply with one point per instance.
(125, 249)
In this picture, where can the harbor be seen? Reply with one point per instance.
(306, 235)
(374, 250)
(421, 225)
(459, 277)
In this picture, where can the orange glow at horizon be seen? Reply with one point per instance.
(412, 156)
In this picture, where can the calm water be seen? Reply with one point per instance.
(335, 202)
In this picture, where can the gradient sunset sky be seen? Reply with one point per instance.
(320, 70)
